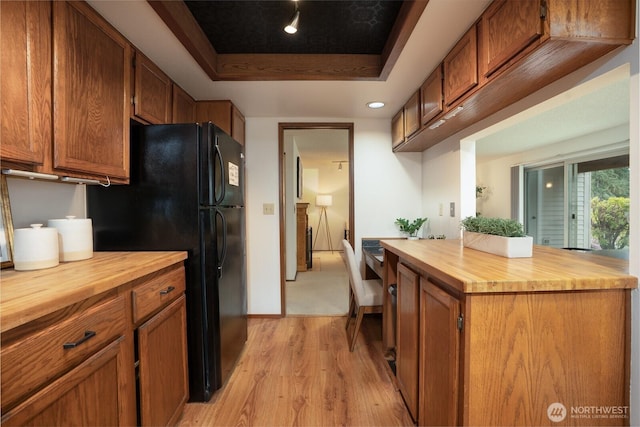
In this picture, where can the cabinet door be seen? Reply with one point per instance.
(25, 88)
(431, 96)
(216, 112)
(407, 333)
(91, 92)
(237, 125)
(162, 350)
(507, 27)
(397, 129)
(461, 67)
(152, 101)
(439, 356)
(223, 114)
(183, 106)
(412, 114)
(89, 395)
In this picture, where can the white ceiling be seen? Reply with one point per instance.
(600, 104)
(321, 147)
(439, 28)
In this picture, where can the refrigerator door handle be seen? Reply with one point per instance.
(222, 254)
(223, 177)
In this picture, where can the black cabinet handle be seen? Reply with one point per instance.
(166, 291)
(87, 335)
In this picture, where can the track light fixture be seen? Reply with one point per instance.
(292, 27)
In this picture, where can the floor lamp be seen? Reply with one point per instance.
(322, 201)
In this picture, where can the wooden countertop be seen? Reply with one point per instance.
(549, 269)
(28, 295)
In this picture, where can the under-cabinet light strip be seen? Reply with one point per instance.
(80, 180)
(30, 175)
(437, 124)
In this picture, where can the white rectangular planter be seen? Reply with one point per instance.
(510, 247)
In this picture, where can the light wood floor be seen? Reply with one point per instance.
(298, 371)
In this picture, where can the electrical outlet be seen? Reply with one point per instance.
(268, 209)
(452, 209)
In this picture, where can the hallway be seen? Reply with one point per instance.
(322, 291)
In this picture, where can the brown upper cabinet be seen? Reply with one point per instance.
(183, 105)
(397, 129)
(431, 96)
(461, 67)
(25, 67)
(91, 81)
(65, 91)
(152, 100)
(412, 115)
(502, 36)
(519, 47)
(223, 114)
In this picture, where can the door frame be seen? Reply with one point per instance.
(283, 247)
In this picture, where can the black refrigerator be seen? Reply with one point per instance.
(186, 193)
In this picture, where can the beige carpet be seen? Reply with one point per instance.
(323, 291)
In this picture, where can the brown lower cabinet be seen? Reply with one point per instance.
(89, 395)
(115, 358)
(407, 337)
(510, 342)
(162, 349)
(505, 359)
(439, 356)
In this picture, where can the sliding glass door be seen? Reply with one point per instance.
(579, 205)
(544, 205)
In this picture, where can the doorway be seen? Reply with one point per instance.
(293, 190)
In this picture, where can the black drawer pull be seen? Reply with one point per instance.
(87, 335)
(166, 291)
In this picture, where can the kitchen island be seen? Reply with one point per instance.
(484, 340)
(94, 342)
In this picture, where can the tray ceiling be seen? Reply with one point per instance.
(336, 40)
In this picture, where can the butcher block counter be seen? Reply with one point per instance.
(479, 339)
(27, 295)
(101, 328)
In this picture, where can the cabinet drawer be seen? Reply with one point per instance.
(156, 293)
(50, 352)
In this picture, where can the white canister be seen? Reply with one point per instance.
(35, 248)
(75, 238)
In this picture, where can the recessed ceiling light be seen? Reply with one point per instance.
(375, 104)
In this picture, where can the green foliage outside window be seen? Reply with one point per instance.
(610, 222)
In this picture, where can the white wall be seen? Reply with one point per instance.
(387, 186)
(327, 179)
(443, 157)
(35, 202)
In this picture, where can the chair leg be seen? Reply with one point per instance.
(356, 329)
(352, 302)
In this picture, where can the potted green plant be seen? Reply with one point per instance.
(411, 228)
(499, 236)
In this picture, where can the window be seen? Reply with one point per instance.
(579, 204)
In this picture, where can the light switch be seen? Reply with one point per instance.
(268, 209)
(452, 209)
(440, 209)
